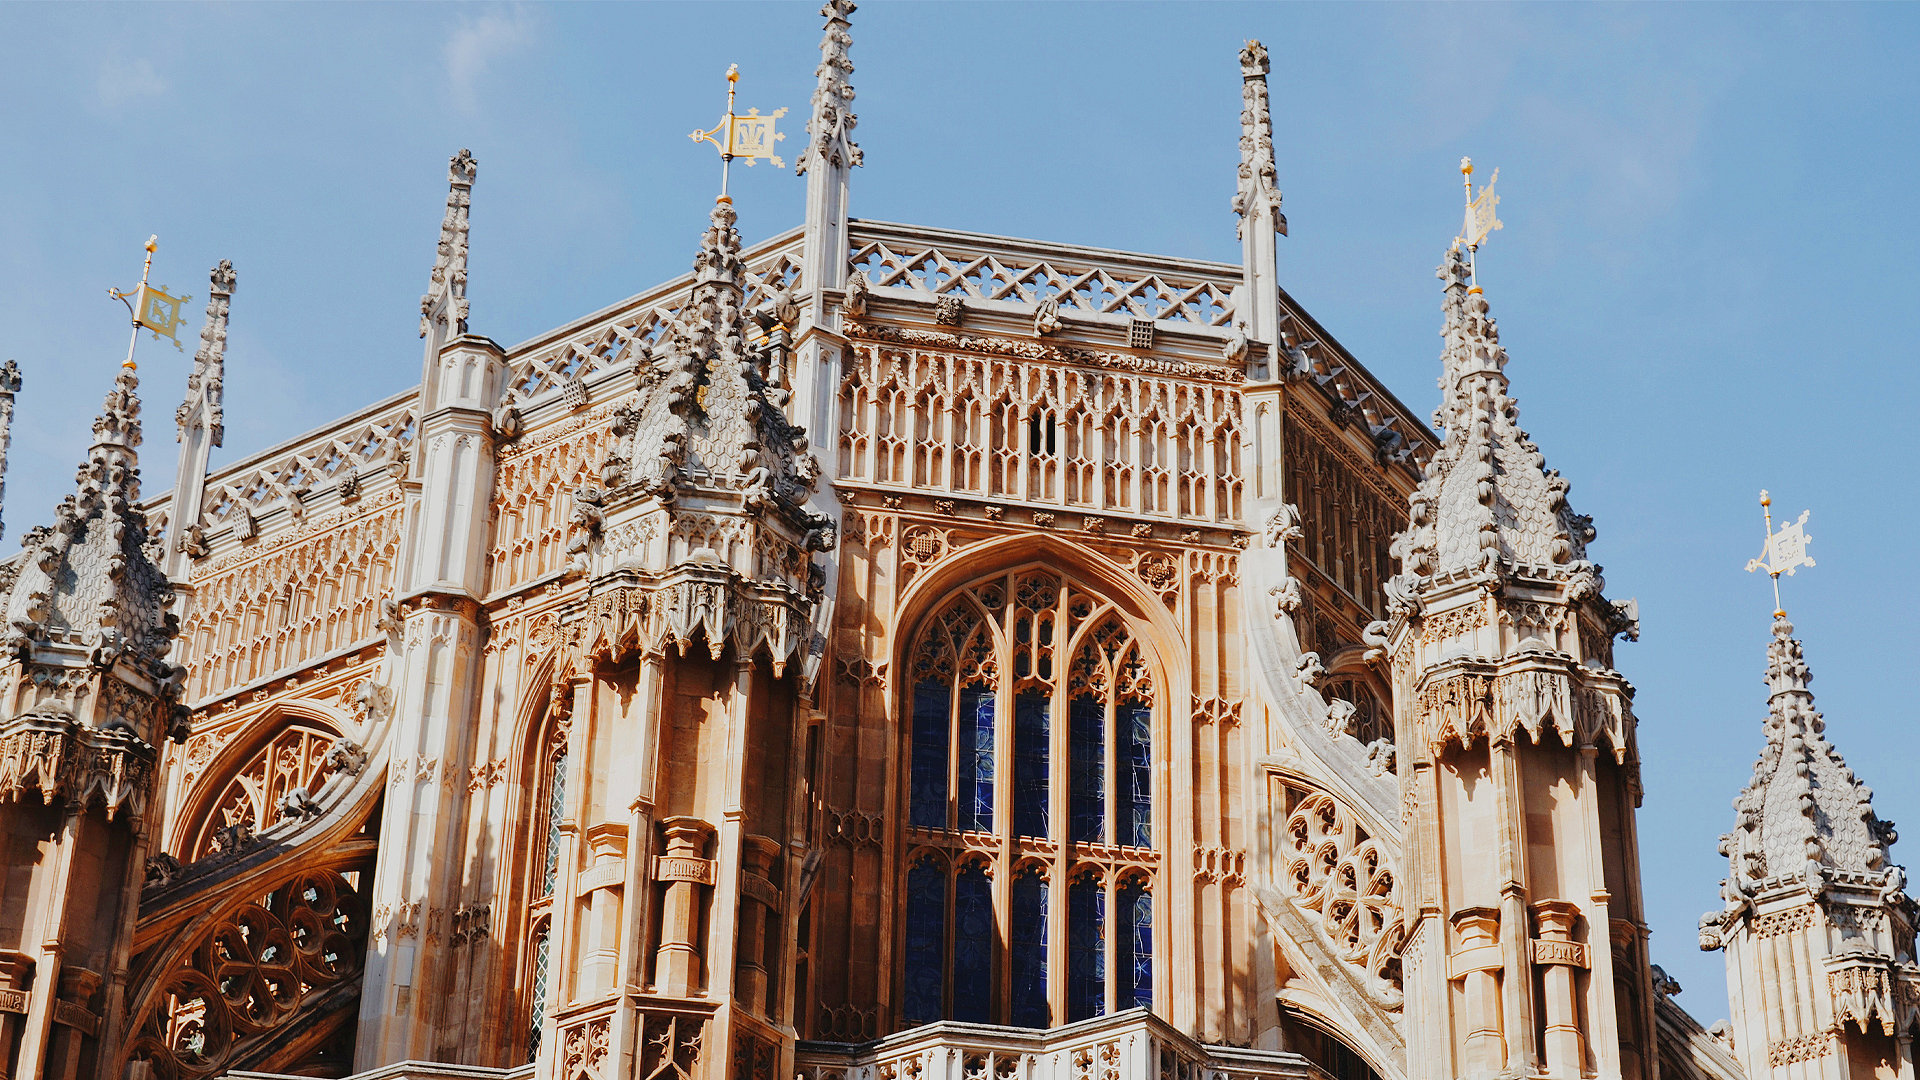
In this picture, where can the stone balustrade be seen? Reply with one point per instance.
(1133, 1045)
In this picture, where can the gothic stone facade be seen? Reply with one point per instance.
(883, 652)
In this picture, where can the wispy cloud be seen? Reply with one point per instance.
(476, 44)
(123, 80)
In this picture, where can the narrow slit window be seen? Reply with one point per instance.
(1133, 954)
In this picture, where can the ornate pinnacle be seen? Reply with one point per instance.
(1804, 812)
(1488, 500)
(448, 285)
(1259, 190)
(111, 474)
(204, 386)
(830, 127)
(9, 386)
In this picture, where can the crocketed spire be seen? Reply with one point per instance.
(1488, 499)
(9, 386)
(204, 391)
(704, 414)
(1258, 195)
(1803, 815)
(89, 583)
(830, 127)
(448, 286)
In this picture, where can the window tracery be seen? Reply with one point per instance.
(1346, 879)
(294, 757)
(1031, 725)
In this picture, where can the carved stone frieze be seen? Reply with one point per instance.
(48, 755)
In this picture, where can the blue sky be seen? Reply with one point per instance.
(1706, 280)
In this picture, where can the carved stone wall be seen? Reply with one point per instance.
(296, 598)
(1018, 422)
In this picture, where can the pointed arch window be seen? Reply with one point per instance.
(546, 778)
(1031, 722)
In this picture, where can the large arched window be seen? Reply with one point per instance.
(1028, 887)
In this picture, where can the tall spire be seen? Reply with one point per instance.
(9, 386)
(1257, 201)
(204, 386)
(1488, 499)
(827, 160)
(1803, 815)
(830, 127)
(201, 425)
(1504, 644)
(1258, 196)
(446, 298)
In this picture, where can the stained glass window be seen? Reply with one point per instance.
(1133, 755)
(976, 759)
(926, 936)
(1086, 949)
(1087, 802)
(992, 681)
(1032, 754)
(973, 945)
(1133, 947)
(1029, 951)
(929, 783)
(556, 810)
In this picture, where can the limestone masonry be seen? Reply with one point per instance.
(884, 652)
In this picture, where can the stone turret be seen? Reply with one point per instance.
(1817, 927)
(697, 547)
(87, 692)
(1515, 750)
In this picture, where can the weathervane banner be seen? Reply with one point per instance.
(1786, 549)
(754, 136)
(159, 312)
(1480, 213)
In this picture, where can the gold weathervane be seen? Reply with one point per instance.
(152, 307)
(1480, 214)
(1785, 550)
(749, 138)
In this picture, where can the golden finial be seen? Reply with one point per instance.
(749, 138)
(1786, 550)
